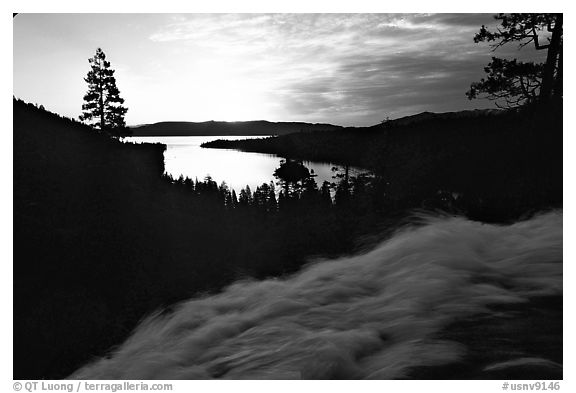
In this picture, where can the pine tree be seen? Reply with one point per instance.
(103, 104)
(272, 203)
(514, 82)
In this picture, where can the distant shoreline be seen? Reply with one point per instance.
(203, 135)
(222, 128)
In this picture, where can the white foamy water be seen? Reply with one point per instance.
(374, 315)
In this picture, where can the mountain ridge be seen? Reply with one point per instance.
(425, 116)
(244, 128)
(265, 127)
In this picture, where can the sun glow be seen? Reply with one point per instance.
(201, 91)
(217, 96)
(345, 69)
(221, 90)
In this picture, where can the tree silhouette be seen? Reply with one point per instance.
(325, 194)
(245, 198)
(272, 203)
(103, 104)
(264, 198)
(261, 196)
(516, 82)
(291, 175)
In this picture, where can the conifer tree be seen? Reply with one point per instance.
(272, 203)
(514, 82)
(103, 104)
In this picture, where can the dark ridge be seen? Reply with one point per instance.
(102, 239)
(499, 164)
(425, 116)
(258, 127)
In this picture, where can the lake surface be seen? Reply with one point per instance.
(184, 156)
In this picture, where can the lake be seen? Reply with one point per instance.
(184, 156)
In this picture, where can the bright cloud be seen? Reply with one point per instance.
(348, 69)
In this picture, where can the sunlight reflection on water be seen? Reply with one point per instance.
(184, 156)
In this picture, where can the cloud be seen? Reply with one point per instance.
(350, 67)
(400, 65)
(344, 68)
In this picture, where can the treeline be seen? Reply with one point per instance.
(101, 239)
(494, 167)
(300, 191)
(57, 117)
(48, 114)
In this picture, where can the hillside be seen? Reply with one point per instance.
(427, 116)
(101, 240)
(260, 127)
(498, 164)
(77, 202)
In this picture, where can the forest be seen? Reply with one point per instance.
(492, 167)
(103, 238)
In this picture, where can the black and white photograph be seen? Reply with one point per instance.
(288, 195)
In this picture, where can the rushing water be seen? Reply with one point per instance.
(377, 315)
(184, 156)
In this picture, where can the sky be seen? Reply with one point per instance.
(344, 69)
